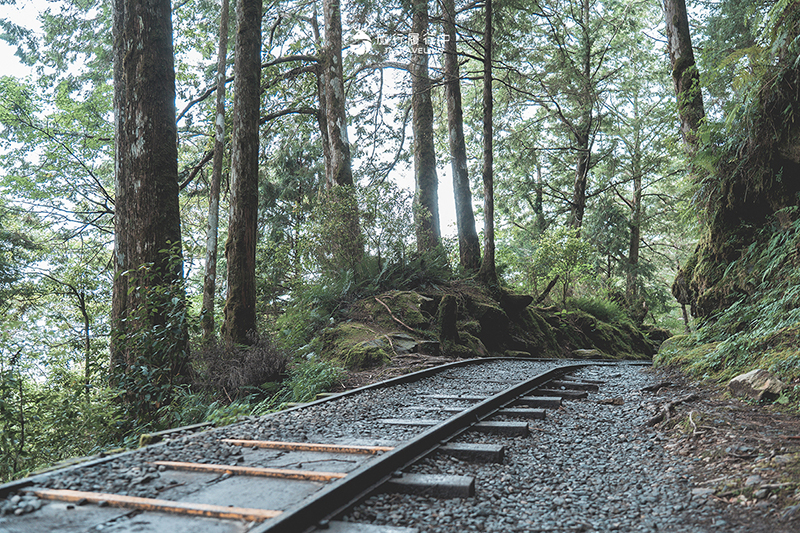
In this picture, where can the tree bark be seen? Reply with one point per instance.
(240, 249)
(468, 246)
(426, 190)
(147, 241)
(322, 108)
(339, 171)
(632, 278)
(685, 75)
(210, 278)
(347, 241)
(583, 130)
(488, 271)
(538, 206)
(578, 204)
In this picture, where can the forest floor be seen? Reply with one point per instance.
(745, 457)
(400, 365)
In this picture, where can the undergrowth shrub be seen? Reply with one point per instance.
(600, 308)
(310, 376)
(237, 371)
(762, 327)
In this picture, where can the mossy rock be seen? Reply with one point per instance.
(494, 325)
(578, 330)
(656, 335)
(516, 354)
(473, 327)
(355, 345)
(405, 306)
(515, 304)
(468, 347)
(592, 353)
(446, 325)
(367, 354)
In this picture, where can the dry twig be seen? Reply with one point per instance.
(394, 317)
(666, 410)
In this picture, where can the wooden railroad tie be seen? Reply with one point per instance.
(283, 473)
(152, 504)
(308, 447)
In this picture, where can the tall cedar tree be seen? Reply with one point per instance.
(582, 129)
(339, 170)
(469, 250)
(347, 242)
(240, 250)
(684, 71)
(686, 80)
(210, 278)
(632, 295)
(488, 271)
(426, 191)
(147, 255)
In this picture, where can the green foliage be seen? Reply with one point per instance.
(600, 308)
(312, 307)
(312, 376)
(155, 340)
(761, 327)
(337, 238)
(43, 423)
(558, 252)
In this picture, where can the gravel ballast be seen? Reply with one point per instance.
(588, 466)
(591, 465)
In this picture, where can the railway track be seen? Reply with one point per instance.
(298, 470)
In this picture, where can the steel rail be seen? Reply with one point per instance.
(341, 495)
(38, 477)
(103, 457)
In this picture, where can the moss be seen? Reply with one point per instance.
(366, 354)
(473, 327)
(468, 346)
(354, 346)
(682, 350)
(404, 306)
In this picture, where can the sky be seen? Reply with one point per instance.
(23, 14)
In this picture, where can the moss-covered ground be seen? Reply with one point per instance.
(462, 320)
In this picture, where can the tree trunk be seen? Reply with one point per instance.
(583, 130)
(685, 76)
(426, 191)
(468, 246)
(322, 112)
(339, 171)
(347, 242)
(240, 250)
(210, 279)
(146, 218)
(538, 206)
(632, 279)
(488, 271)
(578, 204)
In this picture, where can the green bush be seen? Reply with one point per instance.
(600, 308)
(311, 376)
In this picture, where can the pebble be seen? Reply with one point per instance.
(19, 504)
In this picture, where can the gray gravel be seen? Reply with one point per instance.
(587, 467)
(349, 420)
